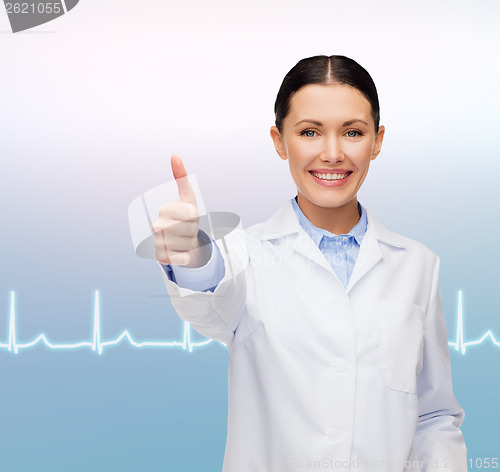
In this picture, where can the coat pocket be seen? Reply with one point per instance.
(402, 333)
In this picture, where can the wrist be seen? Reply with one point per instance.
(201, 255)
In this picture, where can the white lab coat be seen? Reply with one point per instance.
(323, 377)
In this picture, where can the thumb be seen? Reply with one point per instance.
(186, 192)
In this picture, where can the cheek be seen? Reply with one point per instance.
(360, 155)
(301, 151)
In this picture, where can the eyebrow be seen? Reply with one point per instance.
(318, 123)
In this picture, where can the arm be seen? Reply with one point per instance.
(216, 314)
(439, 443)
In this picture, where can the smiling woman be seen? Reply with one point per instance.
(338, 347)
(329, 140)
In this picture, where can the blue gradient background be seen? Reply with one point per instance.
(92, 106)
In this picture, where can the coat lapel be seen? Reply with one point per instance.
(283, 229)
(368, 256)
(370, 252)
(304, 245)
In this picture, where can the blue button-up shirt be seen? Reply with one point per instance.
(340, 251)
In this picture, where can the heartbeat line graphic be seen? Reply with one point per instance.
(459, 344)
(97, 344)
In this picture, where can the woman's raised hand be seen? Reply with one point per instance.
(176, 237)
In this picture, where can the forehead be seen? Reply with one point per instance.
(329, 102)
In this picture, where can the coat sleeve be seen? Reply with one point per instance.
(439, 442)
(216, 314)
(202, 278)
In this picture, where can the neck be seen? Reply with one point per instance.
(337, 220)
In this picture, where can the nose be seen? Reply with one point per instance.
(332, 150)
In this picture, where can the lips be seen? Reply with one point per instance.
(329, 179)
(325, 170)
(331, 175)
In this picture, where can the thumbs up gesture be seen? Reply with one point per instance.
(176, 237)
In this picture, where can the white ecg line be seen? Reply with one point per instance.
(97, 344)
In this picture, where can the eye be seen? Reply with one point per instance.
(310, 133)
(355, 133)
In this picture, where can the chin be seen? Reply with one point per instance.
(334, 204)
(328, 202)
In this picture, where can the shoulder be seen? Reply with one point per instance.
(255, 234)
(282, 222)
(409, 247)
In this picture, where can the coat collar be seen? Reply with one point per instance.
(283, 228)
(285, 223)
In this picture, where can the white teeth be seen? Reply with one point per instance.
(330, 176)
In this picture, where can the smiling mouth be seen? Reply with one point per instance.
(331, 176)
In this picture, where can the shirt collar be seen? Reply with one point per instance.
(358, 231)
(284, 223)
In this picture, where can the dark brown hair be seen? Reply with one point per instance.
(326, 70)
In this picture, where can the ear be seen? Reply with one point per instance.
(278, 142)
(378, 142)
